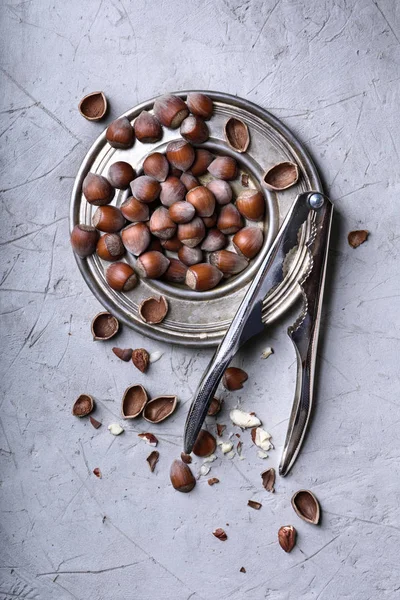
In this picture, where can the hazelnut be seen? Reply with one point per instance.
(145, 188)
(190, 256)
(155, 244)
(221, 190)
(203, 159)
(229, 220)
(153, 310)
(176, 272)
(120, 134)
(200, 105)
(214, 240)
(181, 212)
(174, 172)
(191, 234)
(136, 238)
(104, 326)
(134, 210)
(97, 189)
(110, 247)
(172, 190)
(147, 128)
(93, 106)
(181, 477)
(161, 224)
(170, 110)
(210, 221)
(120, 174)
(189, 181)
(223, 167)
(141, 359)
(121, 277)
(173, 244)
(194, 130)
(248, 241)
(180, 154)
(152, 264)
(251, 204)
(202, 277)
(156, 165)
(108, 219)
(202, 199)
(84, 239)
(228, 262)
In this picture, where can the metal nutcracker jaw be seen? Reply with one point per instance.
(249, 321)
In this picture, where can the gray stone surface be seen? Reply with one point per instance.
(330, 70)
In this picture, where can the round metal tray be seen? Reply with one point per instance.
(201, 319)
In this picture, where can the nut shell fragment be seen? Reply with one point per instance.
(281, 176)
(160, 408)
(149, 438)
(141, 359)
(213, 481)
(220, 534)
(104, 326)
(254, 504)
(356, 238)
(133, 401)
(124, 354)
(234, 378)
(94, 422)
(268, 480)
(153, 310)
(214, 408)
(186, 458)
(306, 506)
(83, 405)
(152, 459)
(205, 444)
(287, 537)
(237, 134)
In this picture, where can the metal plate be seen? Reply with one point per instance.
(201, 319)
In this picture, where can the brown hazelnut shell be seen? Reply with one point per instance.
(200, 105)
(234, 378)
(281, 176)
(160, 408)
(93, 106)
(133, 401)
(147, 128)
(189, 181)
(205, 444)
(306, 506)
(221, 189)
(237, 134)
(104, 326)
(83, 406)
(84, 239)
(120, 134)
(141, 359)
(156, 165)
(121, 277)
(110, 247)
(176, 272)
(152, 264)
(97, 189)
(108, 219)
(173, 244)
(203, 276)
(153, 310)
(134, 210)
(214, 240)
(120, 174)
(170, 110)
(180, 154)
(181, 477)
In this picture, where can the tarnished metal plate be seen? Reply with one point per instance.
(194, 318)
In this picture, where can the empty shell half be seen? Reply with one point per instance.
(158, 409)
(281, 176)
(306, 506)
(133, 401)
(83, 405)
(237, 134)
(104, 326)
(153, 310)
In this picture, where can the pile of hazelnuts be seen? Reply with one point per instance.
(178, 228)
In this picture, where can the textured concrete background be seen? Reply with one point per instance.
(330, 70)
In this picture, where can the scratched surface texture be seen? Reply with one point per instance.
(330, 71)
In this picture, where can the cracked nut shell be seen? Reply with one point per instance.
(141, 358)
(234, 378)
(160, 408)
(281, 176)
(104, 326)
(133, 401)
(306, 506)
(237, 134)
(153, 310)
(205, 444)
(93, 106)
(83, 405)
(287, 537)
(181, 477)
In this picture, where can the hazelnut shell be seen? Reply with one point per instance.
(237, 134)
(133, 401)
(202, 277)
(281, 176)
(83, 405)
(153, 310)
(134, 210)
(136, 238)
(93, 106)
(180, 154)
(108, 219)
(205, 444)
(156, 165)
(104, 326)
(160, 408)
